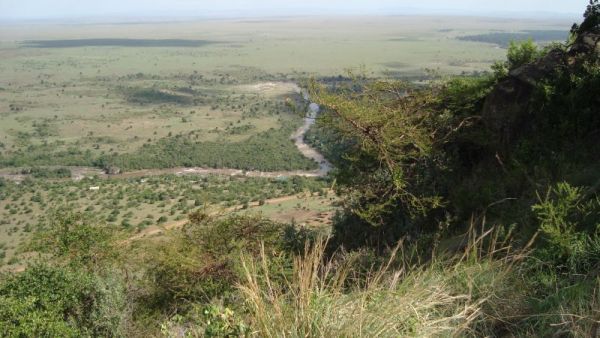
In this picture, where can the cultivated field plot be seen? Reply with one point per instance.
(127, 95)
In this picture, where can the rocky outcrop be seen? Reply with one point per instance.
(507, 109)
(586, 43)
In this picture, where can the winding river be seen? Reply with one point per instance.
(79, 173)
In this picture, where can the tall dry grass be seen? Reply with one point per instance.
(445, 297)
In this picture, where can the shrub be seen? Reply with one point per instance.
(570, 225)
(57, 301)
(21, 317)
(206, 321)
(200, 262)
(75, 238)
(520, 53)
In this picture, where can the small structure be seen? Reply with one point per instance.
(94, 188)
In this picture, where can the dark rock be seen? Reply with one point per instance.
(506, 109)
(586, 43)
(112, 170)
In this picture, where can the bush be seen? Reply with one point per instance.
(520, 53)
(206, 321)
(570, 226)
(22, 317)
(200, 262)
(75, 238)
(57, 301)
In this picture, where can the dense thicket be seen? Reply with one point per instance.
(271, 150)
(268, 151)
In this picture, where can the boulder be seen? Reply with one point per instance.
(506, 108)
(112, 170)
(586, 43)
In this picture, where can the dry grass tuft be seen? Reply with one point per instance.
(320, 299)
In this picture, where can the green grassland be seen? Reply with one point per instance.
(127, 94)
(105, 118)
(214, 93)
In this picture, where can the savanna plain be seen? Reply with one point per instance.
(197, 159)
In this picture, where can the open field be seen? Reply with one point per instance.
(104, 121)
(322, 46)
(220, 92)
(212, 94)
(313, 210)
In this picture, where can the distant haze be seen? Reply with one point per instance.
(12, 10)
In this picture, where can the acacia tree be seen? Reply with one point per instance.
(591, 22)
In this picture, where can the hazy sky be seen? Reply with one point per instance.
(72, 9)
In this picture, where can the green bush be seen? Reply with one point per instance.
(570, 226)
(200, 263)
(206, 321)
(46, 301)
(520, 53)
(22, 317)
(75, 238)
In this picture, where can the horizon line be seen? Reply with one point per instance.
(232, 15)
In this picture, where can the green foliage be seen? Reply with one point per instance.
(521, 53)
(47, 173)
(46, 154)
(76, 239)
(206, 321)
(504, 39)
(464, 96)
(417, 159)
(21, 317)
(570, 225)
(200, 263)
(591, 21)
(390, 121)
(296, 239)
(271, 150)
(154, 96)
(221, 322)
(268, 151)
(48, 301)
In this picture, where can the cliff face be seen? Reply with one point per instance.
(507, 110)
